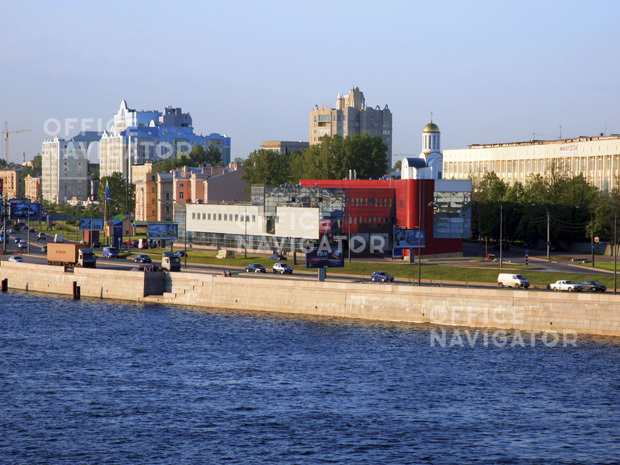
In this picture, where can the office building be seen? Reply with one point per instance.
(596, 158)
(351, 117)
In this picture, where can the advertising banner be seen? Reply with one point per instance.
(324, 255)
(21, 208)
(165, 231)
(409, 239)
(91, 224)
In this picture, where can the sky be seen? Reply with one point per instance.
(489, 71)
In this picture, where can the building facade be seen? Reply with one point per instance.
(139, 137)
(284, 147)
(32, 186)
(64, 167)
(351, 117)
(10, 184)
(596, 158)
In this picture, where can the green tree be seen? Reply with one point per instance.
(397, 166)
(122, 196)
(267, 167)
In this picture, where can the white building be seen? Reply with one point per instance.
(64, 170)
(596, 158)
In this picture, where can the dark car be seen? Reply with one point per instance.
(381, 276)
(593, 286)
(180, 253)
(96, 245)
(277, 256)
(256, 268)
(141, 258)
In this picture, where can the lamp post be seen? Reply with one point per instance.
(28, 228)
(615, 248)
(501, 228)
(548, 236)
(185, 235)
(592, 238)
(245, 232)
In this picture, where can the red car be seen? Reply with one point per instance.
(131, 243)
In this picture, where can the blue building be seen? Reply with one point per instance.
(139, 137)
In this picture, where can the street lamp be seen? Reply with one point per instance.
(615, 248)
(501, 228)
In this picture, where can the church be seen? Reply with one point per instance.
(429, 164)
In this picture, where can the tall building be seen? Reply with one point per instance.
(351, 117)
(138, 137)
(596, 158)
(64, 170)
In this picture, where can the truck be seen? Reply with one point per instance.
(170, 262)
(565, 285)
(70, 255)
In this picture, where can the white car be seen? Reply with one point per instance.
(282, 268)
(565, 285)
(16, 258)
(22, 245)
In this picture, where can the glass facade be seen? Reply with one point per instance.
(452, 217)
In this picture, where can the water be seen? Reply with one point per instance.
(94, 382)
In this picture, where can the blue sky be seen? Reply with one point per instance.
(490, 71)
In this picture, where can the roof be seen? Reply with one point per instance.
(415, 162)
(431, 127)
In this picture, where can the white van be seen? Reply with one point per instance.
(59, 238)
(512, 280)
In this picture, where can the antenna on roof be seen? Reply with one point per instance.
(560, 131)
(431, 116)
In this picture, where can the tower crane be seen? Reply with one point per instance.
(6, 139)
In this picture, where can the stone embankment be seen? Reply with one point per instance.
(487, 308)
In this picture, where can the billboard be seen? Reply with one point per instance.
(91, 224)
(324, 255)
(409, 239)
(21, 208)
(165, 231)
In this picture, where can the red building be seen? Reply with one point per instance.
(386, 206)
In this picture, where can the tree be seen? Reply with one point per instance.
(267, 167)
(122, 196)
(397, 166)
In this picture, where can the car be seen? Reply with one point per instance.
(256, 268)
(565, 285)
(381, 276)
(277, 256)
(17, 240)
(96, 245)
(16, 259)
(180, 253)
(282, 268)
(12, 231)
(141, 258)
(40, 236)
(512, 280)
(44, 249)
(131, 243)
(110, 252)
(22, 245)
(592, 286)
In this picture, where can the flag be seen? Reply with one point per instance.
(107, 191)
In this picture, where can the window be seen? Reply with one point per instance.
(253, 218)
(204, 216)
(219, 217)
(181, 195)
(225, 217)
(209, 216)
(236, 217)
(193, 216)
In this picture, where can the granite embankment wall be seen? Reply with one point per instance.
(495, 308)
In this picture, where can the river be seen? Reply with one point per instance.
(104, 382)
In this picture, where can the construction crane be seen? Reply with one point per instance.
(6, 139)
